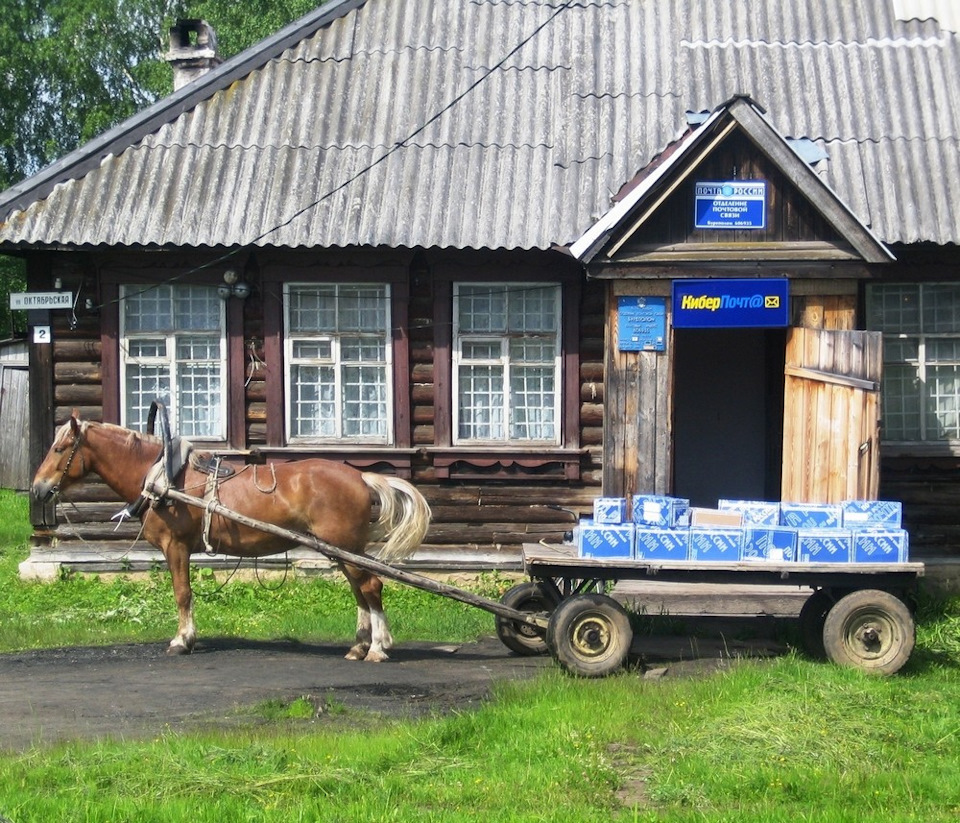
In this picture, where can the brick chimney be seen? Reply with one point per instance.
(193, 51)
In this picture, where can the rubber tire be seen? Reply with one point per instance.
(522, 638)
(888, 620)
(812, 617)
(590, 635)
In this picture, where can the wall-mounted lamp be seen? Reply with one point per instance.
(233, 286)
(57, 283)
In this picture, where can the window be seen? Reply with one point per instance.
(921, 361)
(506, 363)
(172, 350)
(338, 357)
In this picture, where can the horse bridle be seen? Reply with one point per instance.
(73, 453)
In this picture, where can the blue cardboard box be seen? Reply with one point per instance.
(777, 544)
(660, 510)
(811, 515)
(881, 546)
(716, 544)
(824, 545)
(755, 512)
(655, 543)
(610, 510)
(866, 514)
(613, 540)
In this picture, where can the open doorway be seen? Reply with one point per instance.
(728, 414)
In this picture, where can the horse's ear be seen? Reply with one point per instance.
(75, 422)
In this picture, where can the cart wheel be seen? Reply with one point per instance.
(869, 629)
(524, 638)
(589, 635)
(812, 617)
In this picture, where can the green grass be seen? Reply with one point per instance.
(785, 740)
(781, 740)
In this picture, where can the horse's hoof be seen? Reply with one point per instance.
(178, 649)
(356, 653)
(375, 657)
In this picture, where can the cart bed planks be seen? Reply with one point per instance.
(562, 561)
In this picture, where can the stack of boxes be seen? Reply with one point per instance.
(657, 527)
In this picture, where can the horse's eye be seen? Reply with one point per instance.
(60, 450)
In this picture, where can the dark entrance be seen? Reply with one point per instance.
(728, 414)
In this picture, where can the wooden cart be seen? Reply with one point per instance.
(857, 614)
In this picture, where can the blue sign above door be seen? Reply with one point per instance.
(731, 204)
(735, 303)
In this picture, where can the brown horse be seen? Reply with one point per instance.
(328, 500)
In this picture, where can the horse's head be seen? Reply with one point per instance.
(64, 463)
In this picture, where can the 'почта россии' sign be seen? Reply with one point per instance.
(730, 204)
(733, 303)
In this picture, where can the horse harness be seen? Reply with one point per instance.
(75, 449)
(176, 454)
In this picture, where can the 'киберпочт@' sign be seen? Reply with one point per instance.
(730, 204)
(734, 303)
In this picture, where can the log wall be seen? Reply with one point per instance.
(472, 518)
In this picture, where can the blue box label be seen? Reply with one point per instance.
(858, 514)
(777, 544)
(881, 546)
(661, 544)
(609, 510)
(605, 540)
(716, 544)
(811, 515)
(824, 545)
(659, 510)
(755, 512)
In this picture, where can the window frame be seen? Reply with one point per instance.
(507, 364)
(127, 290)
(922, 363)
(337, 363)
(512, 461)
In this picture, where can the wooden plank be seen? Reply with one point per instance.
(646, 424)
(14, 444)
(791, 456)
(832, 378)
(614, 391)
(663, 479)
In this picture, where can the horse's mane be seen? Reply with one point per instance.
(135, 439)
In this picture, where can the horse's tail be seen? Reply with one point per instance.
(404, 515)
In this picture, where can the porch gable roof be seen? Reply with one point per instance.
(648, 191)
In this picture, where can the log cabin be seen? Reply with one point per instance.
(524, 254)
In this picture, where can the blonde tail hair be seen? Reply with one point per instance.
(404, 516)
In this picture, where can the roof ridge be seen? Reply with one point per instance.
(868, 43)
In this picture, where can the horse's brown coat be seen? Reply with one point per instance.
(329, 500)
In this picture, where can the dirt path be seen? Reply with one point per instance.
(136, 690)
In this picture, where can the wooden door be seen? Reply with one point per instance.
(831, 416)
(14, 445)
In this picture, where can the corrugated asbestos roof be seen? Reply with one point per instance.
(508, 123)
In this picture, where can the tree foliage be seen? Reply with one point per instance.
(72, 69)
